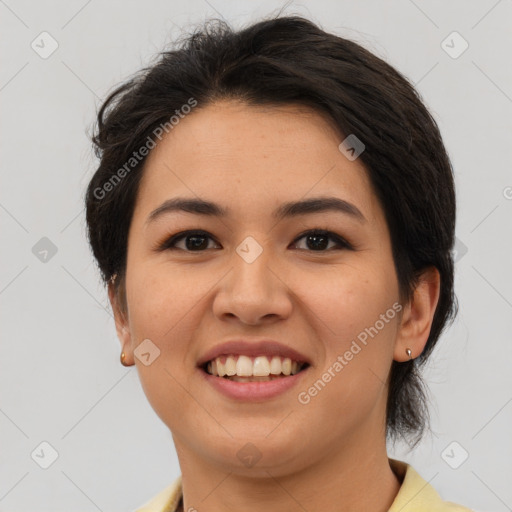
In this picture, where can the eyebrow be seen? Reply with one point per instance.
(286, 210)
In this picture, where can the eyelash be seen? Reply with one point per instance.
(168, 244)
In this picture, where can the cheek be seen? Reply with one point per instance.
(159, 299)
(349, 299)
(162, 310)
(356, 317)
(348, 389)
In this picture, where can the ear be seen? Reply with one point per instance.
(417, 316)
(122, 325)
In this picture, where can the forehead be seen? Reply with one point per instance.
(250, 155)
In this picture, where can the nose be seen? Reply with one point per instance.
(253, 291)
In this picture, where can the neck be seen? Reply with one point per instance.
(354, 478)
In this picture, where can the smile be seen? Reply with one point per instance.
(253, 379)
(241, 368)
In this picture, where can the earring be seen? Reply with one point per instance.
(408, 352)
(123, 355)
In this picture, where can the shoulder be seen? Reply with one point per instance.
(165, 501)
(418, 495)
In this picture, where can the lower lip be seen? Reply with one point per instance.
(253, 391)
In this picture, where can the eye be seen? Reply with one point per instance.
(194, 241)
(318, 239)
(197, 241)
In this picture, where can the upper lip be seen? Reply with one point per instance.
(252, 349)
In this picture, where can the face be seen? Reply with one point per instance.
(251, 275)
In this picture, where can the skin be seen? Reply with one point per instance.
(329, 454)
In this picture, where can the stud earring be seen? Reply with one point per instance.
(123, 355)
(408, 351)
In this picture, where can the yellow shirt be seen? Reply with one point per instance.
(415, 495)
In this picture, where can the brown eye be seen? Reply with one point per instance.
(318, 240)
(195, 241)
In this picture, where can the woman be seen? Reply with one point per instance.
(274, 215)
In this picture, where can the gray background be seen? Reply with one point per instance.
(60, 377)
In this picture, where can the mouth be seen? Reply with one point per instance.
(261, 368)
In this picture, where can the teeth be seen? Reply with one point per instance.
(230, 366)
(260, 367)
(275, 365)
(244, 366)
(286, 366)
(236, 378)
